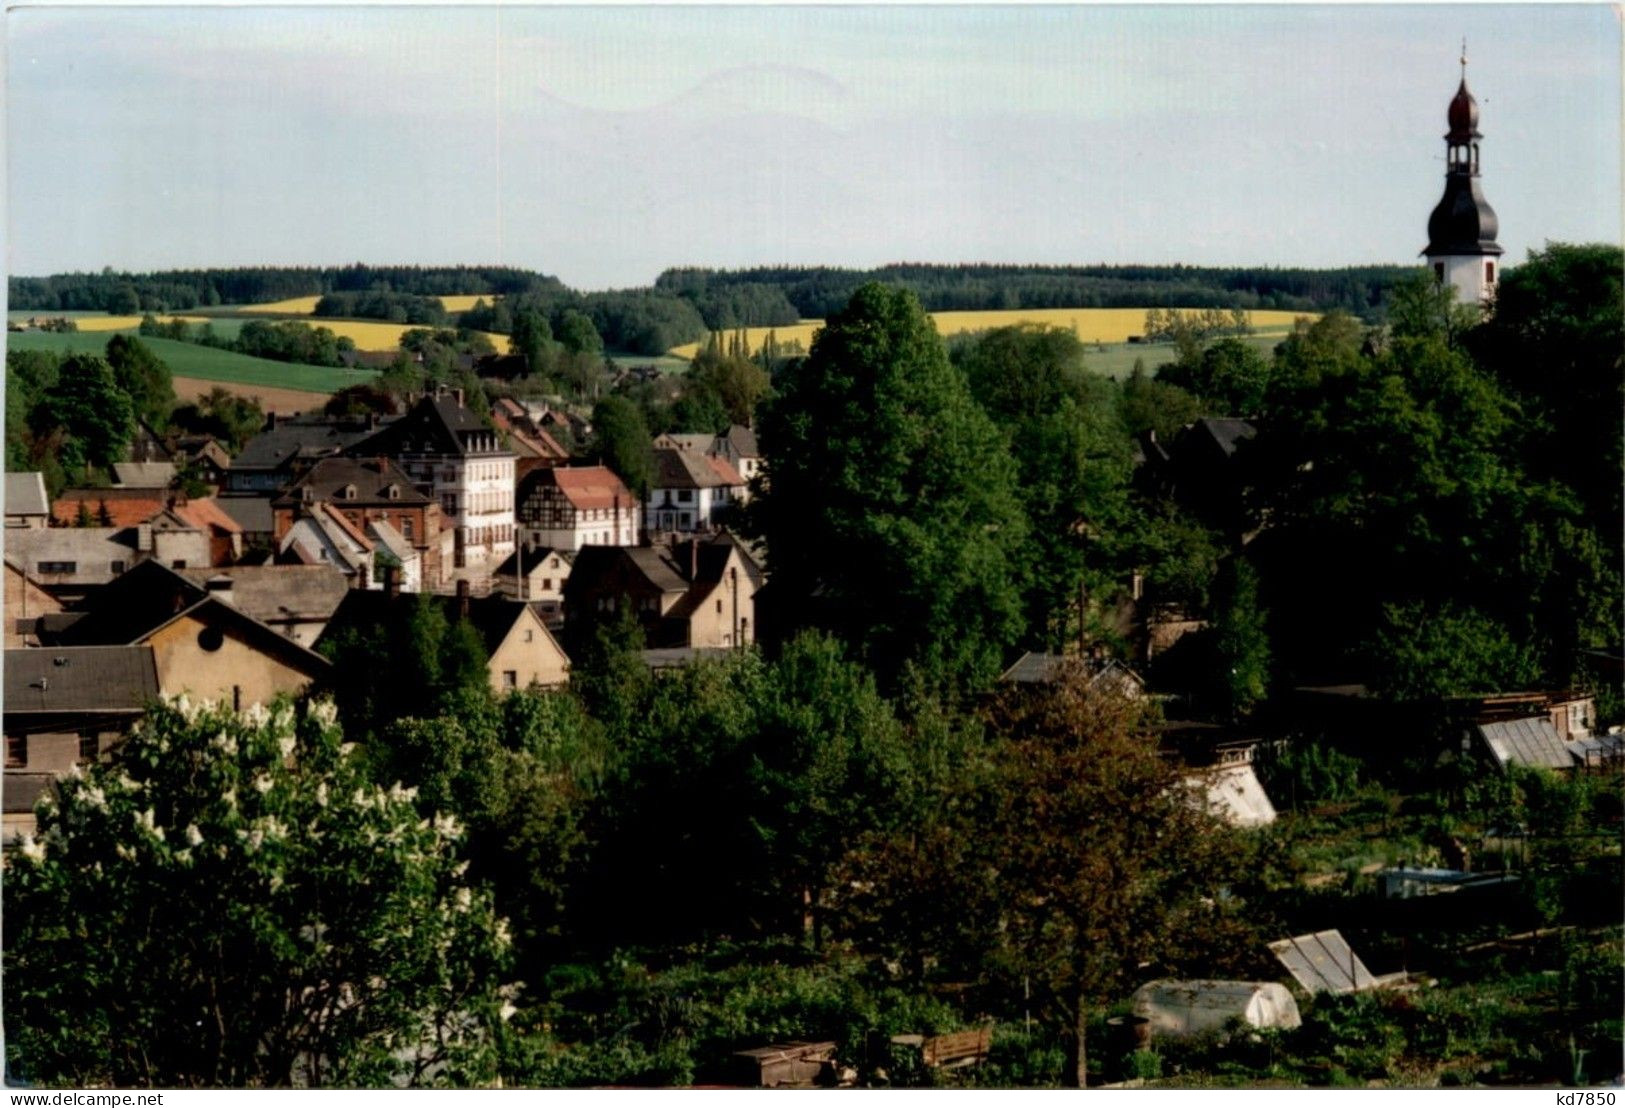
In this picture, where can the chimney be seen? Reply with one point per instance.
(220, 588)
(392, 581)
(693, 558)
(270, 421)
(458, 393)
(462, 598)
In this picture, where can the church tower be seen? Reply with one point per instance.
(1461, 231)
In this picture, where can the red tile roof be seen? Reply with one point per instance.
(587, 487)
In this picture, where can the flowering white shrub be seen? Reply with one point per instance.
(231, 902)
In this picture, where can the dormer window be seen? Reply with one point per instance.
(347, 493)
(393, 492)
(307, 494)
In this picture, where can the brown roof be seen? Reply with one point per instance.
(371, 478)
(587, 487)
(206, 514)
(125, 507)
(684, 469)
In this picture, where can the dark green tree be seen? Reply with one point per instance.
(890, 516)
(88, 404)
(622, 442)
(145, 379)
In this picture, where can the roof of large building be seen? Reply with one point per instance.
(79, 679)
(251, 513)
(25, 495)
(92, 550)
(301, 437)
(273, 593)
(371, 480)
(584, 487)
(440, 424)
(742, 441)
(685, 469)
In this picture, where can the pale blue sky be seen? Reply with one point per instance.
(605, 144)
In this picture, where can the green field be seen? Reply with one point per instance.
(1116, 359)
(190, 360)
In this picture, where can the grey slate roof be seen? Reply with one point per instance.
(143, 475)
(303, 437)
(25, 495)
(79, 679)
(1226, 434)
(252, 513)
(1598, 750)
(1526, 742)
(371, 481)
(742, 441)
(272, 593)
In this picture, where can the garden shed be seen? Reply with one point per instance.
(1180, 1008)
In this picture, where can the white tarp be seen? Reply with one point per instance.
(1179, 1008)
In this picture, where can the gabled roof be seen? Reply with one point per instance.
(528, 561)
(79, 679)
(123, 610)
(144, 475)
(492, 617)
(742, 441)
(273, 592)
(391, 540)
(439, 424)
(251, 513)
(300, 437)
(371, 478)
(685, 469)
(207, 515)
(584, 487)
(1526, 742)
(655, 566)
(25, 495)
(694, 442)
(1226, 434)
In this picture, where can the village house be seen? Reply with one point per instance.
(294, 601)
(529, 440)
(26, 600)
(690, 492)
(737, 446)
(65, 707)
(693, 593)
(569, 507)
(67, 562)
(27, 506)
(520, 650)
(173, 529)
(288, 447)
(536, 577)
(367, 491)
(202, 644)
(157, 475)
(448, 451)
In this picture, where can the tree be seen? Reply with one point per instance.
(1076, 862)
(621, 441)
(229, 417)
(1241, 645)
(1149, 404)
(280, 918)
(889, 516)
(1230, 377)
(88, 404)
(144, 378)
(1072, 464)
(737, 384)
(532, 337)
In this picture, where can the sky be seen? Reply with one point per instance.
(605, 144)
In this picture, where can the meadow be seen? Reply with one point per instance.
(187, 359)
(1093, 326)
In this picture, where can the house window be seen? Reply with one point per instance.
(178, 563)
(719, 607)
(16, 751)
(510, 679)
(59, 567)
(406, 528)
(1438, 270)
(547, 583)
(118, 567)
(1489, 273)
(530, 636)
(685, 496)
(211, 639)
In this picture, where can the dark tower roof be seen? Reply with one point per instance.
(1463, 221)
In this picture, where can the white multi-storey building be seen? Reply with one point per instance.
(454, 456)
(569, 507)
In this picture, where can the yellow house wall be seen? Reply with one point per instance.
(708, 627)
(184, 666)
(539, 660)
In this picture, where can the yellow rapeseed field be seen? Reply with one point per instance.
(304, 305)
(1102, 325)
(299, 305)
(122, 322)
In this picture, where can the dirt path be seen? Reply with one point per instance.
(281, 401)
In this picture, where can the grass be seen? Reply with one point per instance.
(205, 363)
(1110, 326)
